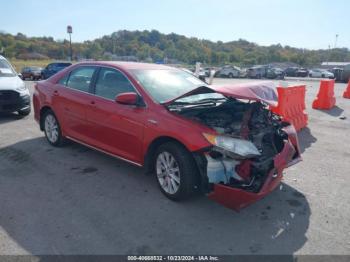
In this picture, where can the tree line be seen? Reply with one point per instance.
(153, 46)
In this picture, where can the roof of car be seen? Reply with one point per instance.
(129, 65)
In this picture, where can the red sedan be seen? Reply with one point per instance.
(221, 141)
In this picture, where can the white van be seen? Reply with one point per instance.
(14, 95)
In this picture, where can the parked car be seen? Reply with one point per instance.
(342, 74)
(275, 73)
(200, 76)
(31, 72)
(257, 72)
(321, 73)
(229, 71)
(54, 68)
(209, 70)
(296, 72)
(338, 74)
(291, 71)
(302, 72)
(14, 95)
(191, 136)
(346, 74)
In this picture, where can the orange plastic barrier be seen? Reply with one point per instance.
(291, 105)
(325, 98)
(347, 91)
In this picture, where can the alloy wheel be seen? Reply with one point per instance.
(51, 128)
(168, 172)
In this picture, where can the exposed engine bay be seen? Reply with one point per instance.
(250, 136)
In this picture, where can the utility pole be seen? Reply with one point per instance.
(336, 40)
(70, 31)
(329, 54)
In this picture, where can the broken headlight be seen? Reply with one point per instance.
(233, 146)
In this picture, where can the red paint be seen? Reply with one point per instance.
(258, 91)
(123, 130)
(127, 98)
(244, 169)
(128, 130)
(237, 198)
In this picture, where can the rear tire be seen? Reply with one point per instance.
(52, 129)
(230, 75)
(175, 171)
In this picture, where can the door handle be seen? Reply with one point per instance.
(93, 103)
(55, 93)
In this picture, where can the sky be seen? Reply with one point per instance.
(311, 24)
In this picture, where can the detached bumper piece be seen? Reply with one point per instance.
(11, 101)
(237, 198)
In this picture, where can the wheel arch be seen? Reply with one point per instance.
(151, 149)
(149, 157)
(43, 110)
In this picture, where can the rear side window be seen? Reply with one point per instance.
(111, 82)
(63, 80)
(80, 78)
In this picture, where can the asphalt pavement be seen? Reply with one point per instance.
(74, 200)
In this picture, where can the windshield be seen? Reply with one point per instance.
(166, 84)
(6, 69)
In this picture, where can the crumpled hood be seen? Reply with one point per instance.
(10, 83)
(263, 91)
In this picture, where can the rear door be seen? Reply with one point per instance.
(72, 95)
(115, 128)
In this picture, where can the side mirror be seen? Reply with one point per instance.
(20, 75)
(129, 98)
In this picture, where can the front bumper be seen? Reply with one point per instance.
(238, 198)
(11, 101)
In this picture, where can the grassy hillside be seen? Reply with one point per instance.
(157, 47)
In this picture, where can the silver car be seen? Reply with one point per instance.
(320, 73)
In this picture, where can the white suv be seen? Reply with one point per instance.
(14, 95)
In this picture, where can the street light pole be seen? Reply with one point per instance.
(70, 31)
(336, 40)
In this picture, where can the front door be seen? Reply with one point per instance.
(115, 128)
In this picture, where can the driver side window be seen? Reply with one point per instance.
(111, 83)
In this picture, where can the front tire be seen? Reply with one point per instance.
(176, 171)
(52, 129)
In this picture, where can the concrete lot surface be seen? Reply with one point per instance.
(74, 200)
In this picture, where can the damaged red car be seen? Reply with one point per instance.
(221, 141)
